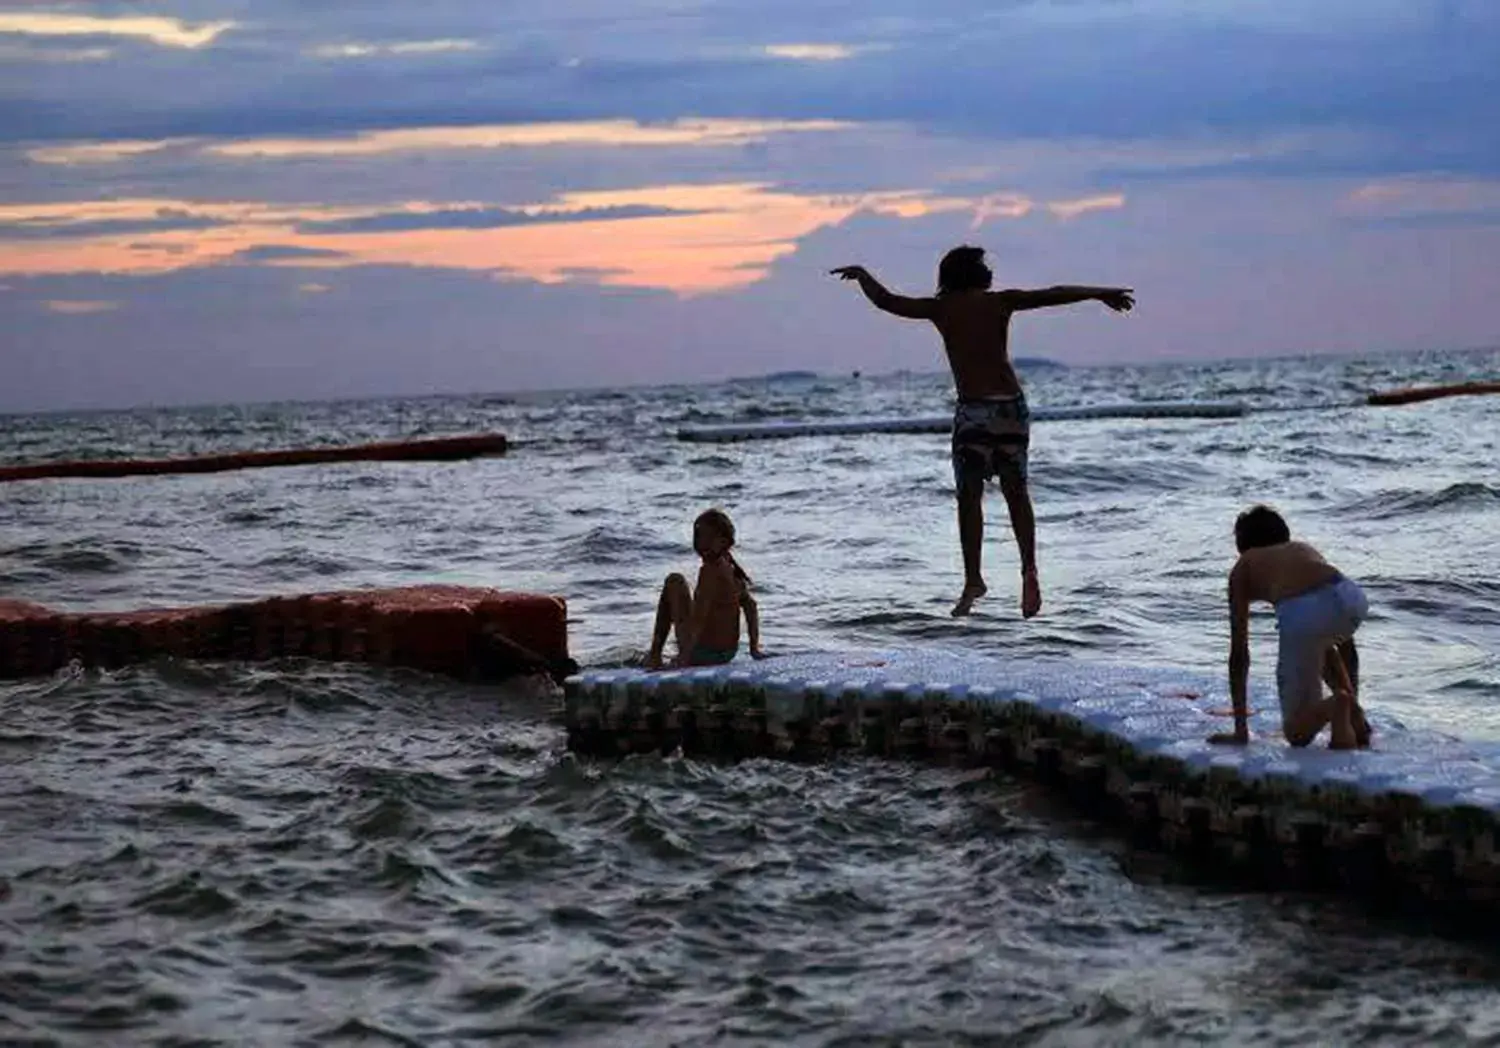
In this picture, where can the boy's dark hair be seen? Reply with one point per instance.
(963, 269)
(1258, 527)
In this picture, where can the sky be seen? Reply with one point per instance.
(208, 202)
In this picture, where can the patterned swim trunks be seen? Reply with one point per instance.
(991, 437)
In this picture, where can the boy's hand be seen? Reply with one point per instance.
(1121, 300)
(1231, 738)
(850, 272)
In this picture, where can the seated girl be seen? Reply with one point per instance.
(707, 618)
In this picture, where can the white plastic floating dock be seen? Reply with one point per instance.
(943, 423)
(1416, 813)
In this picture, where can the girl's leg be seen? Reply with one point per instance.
(673, 609)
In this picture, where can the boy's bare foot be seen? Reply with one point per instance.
(653, 660)
(1031, 594)
(972, 592)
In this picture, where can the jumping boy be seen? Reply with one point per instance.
(1317, 612)
(991, 421)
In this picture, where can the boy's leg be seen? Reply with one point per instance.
(1023, 523)
(1304, 710)
(1304, 723)
(1299, 686)
(1341, 673)
(673, 609)
(970, 535)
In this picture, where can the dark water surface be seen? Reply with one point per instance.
(303, 854)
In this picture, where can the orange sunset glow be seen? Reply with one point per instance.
(726, 237)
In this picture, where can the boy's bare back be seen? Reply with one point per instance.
(975, 326)
(1277, 573)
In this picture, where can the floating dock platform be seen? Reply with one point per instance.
(1417, 817)
(719, 434)
(1417, 394)
(435, 449)
(460, 631)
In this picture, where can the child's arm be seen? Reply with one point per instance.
(1239, 657)
(1120, 299)
(896, 305)
(752, 620)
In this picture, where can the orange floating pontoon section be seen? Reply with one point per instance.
(467, 632)
(1412, 396)
(436, 449)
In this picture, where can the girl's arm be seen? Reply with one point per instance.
(752, 621)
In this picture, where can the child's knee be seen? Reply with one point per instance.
(1298, 739)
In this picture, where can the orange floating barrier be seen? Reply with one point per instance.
(1416, 394)
(468, 632)
(17, 638)
(437, 449)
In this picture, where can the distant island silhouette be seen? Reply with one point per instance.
(813, 376)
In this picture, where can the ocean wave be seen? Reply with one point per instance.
(82, 556)
(1414, 502)
(616, 544)
(1090, 478)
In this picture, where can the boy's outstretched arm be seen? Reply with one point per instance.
(876, 292)
(1120, 299)
(1239, 660)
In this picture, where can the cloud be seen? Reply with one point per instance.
(1069, 209)
(163, 31)
(1456, 220)
(684, 237)
(284, 253)
(158, 248)
(401, 47)
(47, 51)
(1423, 203)
(96, 152)
(79, 307)
(685, 176)
(813, 52)
(618, 133)
(313, 289)
(1294, 284)
(485, 218)
(1424, 195)
(55, 227)
(1417, 84)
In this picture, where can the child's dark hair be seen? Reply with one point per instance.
(1258, 527)
(719, 520)
(963, 269)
